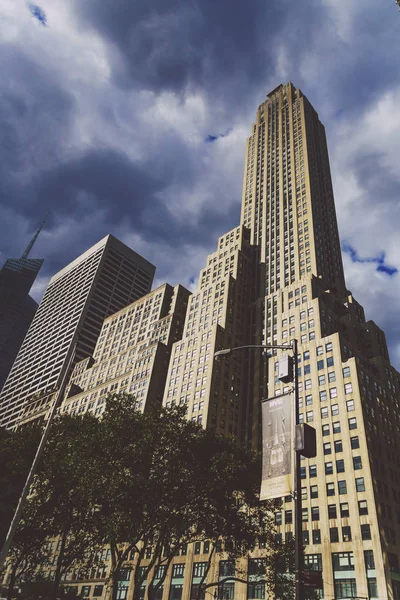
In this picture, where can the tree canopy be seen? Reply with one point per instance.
(144, 485)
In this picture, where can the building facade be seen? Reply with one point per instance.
(132, 353)
(17, 307)
(68, 321)
(276, 277)
(348, 390)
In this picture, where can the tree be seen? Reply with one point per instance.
(168, 483)
(65, 492)
(17, 450)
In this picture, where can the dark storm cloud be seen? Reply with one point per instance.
(169, 44)
(118, 192)
(35, 116)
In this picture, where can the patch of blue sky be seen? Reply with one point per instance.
(38, 13)
(213, 137)
(379, 260)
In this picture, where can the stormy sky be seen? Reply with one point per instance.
(131, 117)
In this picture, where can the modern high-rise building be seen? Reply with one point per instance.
(132, 353)
(17, 307)
(101, 281)
(276, 277)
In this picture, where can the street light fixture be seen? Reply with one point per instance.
(299, 556)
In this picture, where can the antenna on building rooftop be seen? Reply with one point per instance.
(33, 240)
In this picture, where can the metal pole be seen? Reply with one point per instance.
(32, 471)
(299, 555)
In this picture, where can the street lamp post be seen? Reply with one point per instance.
(299, 557)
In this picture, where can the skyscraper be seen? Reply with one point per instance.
(78, 298)
(132, 353)
(17, 308)
(276, 277)
(349, 392)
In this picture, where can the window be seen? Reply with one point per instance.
(350, 405)
(353, 423)
(85, 590)
(336, 427)
(346, 372)
(328, 468)
(324, 412)
(340, 466)
(206, 547)
(319, 350)
(315, 513)
(306, 538)
(316, 536)
(199, 569)
(226, 568)
(303, 473)
(331, 377)
(360, 485)
(342, 486)
(312, 470)
(278, 518)
(314, 491)
(304, 515)
(327, 448)
(328, 347)
(348, 388)
(176, 591)
(197, 547)
(333, 392)
(369, 559)
(308, 399)
(345, 588)
(335, 410)
(325, 430)
(321, 380)
(320, 364)
(344, 509)
(332, 512)
(98, 591)
(313, 562)
(338, 446)
(362, 507)
(354, 441)
(288, 516)
(365, 532)
(323, 396)
(307, 384)
(346, 533)
(343, 561)
(372, 587)
(330, 489)
(178, 570)
(334, 534)
(309, 416)
(330, 361)
(357, 463)
(255, 591)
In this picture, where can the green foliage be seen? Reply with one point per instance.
(17, 450)
(138, 481)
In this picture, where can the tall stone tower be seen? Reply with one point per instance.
(277, 277)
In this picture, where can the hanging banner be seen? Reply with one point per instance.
(277, 445)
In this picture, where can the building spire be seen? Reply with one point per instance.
(33, 240)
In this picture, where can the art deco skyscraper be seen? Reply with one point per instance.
(101, 281)
(17, 308)
(279, 277)
(276, 277)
